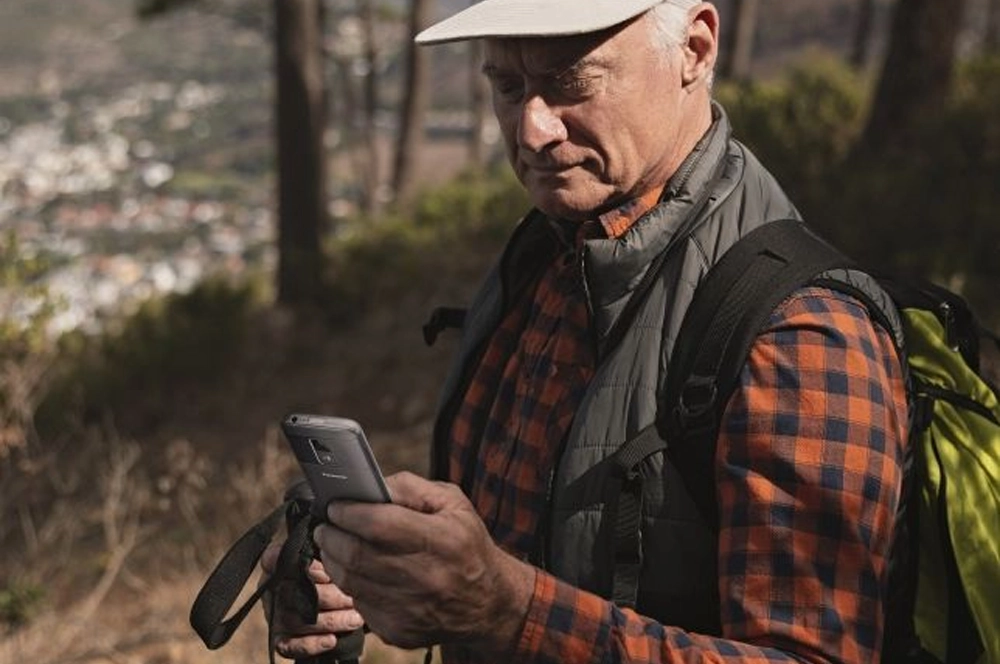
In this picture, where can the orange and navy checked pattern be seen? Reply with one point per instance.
(808, 472)
(540, 361)
(617, 221)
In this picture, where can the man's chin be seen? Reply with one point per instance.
(568, 203)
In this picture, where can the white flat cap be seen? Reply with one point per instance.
(535, 18)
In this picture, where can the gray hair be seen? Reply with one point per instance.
(669, 24)
(670, 21)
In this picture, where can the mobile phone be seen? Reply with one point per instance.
(336, 459)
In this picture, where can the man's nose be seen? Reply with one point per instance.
(540, 125)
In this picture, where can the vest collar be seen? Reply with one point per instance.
(613, 268)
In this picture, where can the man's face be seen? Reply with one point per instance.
(591, 121)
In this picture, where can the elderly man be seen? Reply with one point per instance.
(605, 107)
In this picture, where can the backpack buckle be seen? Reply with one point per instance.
(442, 318)
(696, 400)
(946, 314)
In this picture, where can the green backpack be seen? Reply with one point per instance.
(957, 453)
(944, 569)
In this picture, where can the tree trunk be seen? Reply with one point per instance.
(861, 49)
(738, 54)
(301, 119)
(917, 73)
(411, 120)
(371, 168)
(991, 41)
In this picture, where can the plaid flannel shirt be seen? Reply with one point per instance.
(808, 471)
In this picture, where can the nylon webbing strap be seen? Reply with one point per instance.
(628, 517)
(729, 309)
(298, 593)
(226, 582)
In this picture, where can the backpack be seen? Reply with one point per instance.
(944, 567)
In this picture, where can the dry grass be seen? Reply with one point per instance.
(111, 529)
(149, 626)
(133, 560)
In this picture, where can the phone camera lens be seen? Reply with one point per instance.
(323, 454)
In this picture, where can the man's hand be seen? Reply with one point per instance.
(424, 570)
(296, 640)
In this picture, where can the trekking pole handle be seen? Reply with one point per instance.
(349, 644)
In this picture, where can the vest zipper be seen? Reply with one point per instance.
(594, 341)
(541, 550)
(542, 557)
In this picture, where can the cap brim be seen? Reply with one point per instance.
(533, 18)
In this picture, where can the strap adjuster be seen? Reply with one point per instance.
(696, 400)
(442, 318)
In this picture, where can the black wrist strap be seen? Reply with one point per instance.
(226, 581)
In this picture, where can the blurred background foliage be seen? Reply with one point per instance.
(928, 208)
(930, 212)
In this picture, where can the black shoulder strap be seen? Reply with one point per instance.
(729, 309)
(624, 496)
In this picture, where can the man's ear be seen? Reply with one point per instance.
(702, 46)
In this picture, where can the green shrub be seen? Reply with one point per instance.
(22, 333)
(19, 601)
(931, 207)
(26, 348)
(168, 343)
(802, 125)
(448, 235)
(471, 204)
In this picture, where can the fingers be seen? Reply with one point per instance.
(339, 621)
(301, 647)
(418, 493)
(317, 573)
(330, 596)
(327, 622)
(388, 527)
(269, 561)
(402, 526)
(339, 550)
(337, 611)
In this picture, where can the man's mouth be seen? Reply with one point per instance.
(550, 169)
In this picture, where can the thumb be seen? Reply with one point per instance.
(423, 495)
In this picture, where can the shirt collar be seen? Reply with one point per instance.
(609, 225)
(616, 222)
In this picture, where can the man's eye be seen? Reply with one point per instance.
(508, 87)
(578, 86)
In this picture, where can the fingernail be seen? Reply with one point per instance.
(354, 620)
(328, 642)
